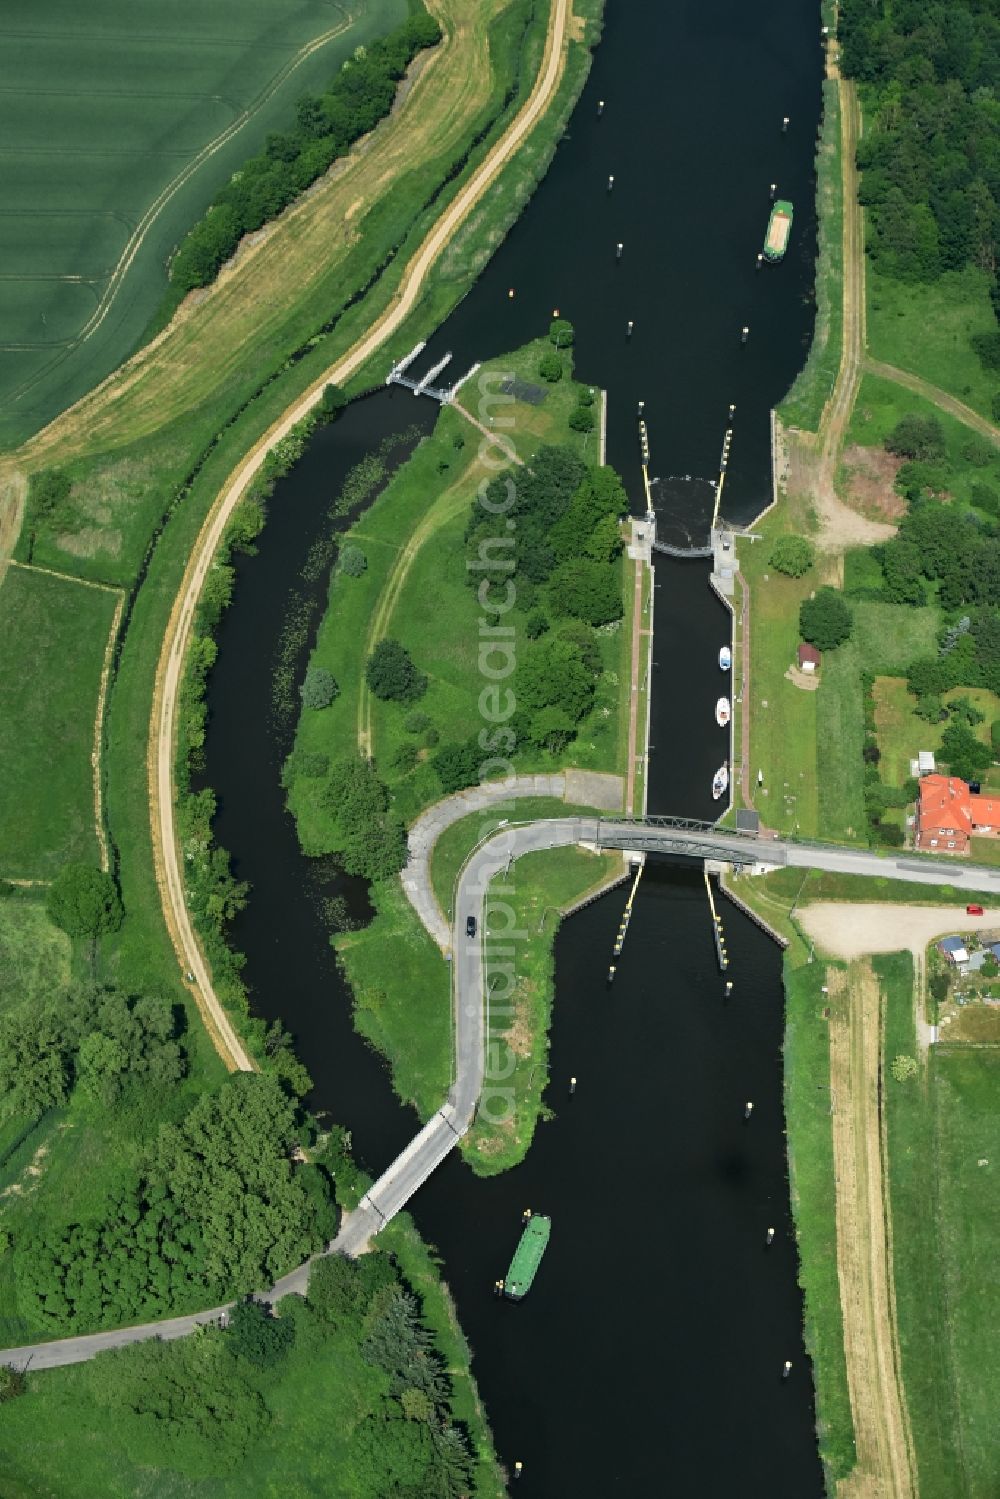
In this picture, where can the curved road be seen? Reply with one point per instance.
(169, 672)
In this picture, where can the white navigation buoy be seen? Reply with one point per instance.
(770, 1236)
(748, 1109)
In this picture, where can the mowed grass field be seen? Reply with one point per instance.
(54, 635)
(117, 126)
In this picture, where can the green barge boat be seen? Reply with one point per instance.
(527, 1256)
(779, 228)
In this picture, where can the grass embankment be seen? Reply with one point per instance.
(803, 405)
(55, 638)
(926, 328)
(943, 1146)
(540, 886)
(62, 247)
(810, 1157)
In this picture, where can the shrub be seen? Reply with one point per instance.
(255, 1335)
(332, 402)
(825, 620)
(457, 765)
(985, 498)
(581, 419)
(84, 901)
(902, 1068)
(319, 688)
(416, 722)
(917, 437)
(987, 346)
(792, 555)
(405, 757)
(550, 367)
(966, 755)
(391, 674)
(352, 561)
(536, 624)
(561, 333)
(585, 396)
(977, 452)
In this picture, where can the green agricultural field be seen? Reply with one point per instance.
(944, 1144)
(55, 634)
(117, 129)
(926, 329)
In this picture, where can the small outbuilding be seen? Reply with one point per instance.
(925, 763)
(954, 949)
(809, 657)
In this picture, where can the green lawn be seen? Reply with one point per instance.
(74, 197)
(54, 634)
(35, 955)
(925, 329)
(884, 636)
(783, 717)
(901, 733)
(457, 842)
(944, 1145)
(810, 1157)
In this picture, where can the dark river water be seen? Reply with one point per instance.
(648, 1358)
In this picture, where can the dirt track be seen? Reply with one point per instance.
(885, 1467)
(937, 397)
(170, 668)
(849, 930)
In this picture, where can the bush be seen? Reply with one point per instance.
(84, 901)
(792, 555)
(581, 419)
(985, 498)
(391, 674)
(825, 620)
(917, 437)
(550, 367)
(457, 765)
(319, 688)
(416, 722)
(352, 561)
(987, 346)
(368, 838)
(332, 402)
(255, 1335)
(561, 333)
(966, 756)
(585, 396)
(902, 1068)
(978, 452)
(536, 624)
(405, 758)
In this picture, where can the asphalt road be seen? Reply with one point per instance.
(443, 1130)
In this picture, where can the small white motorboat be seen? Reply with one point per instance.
(725, 658)
(720, 781)
(723, 712)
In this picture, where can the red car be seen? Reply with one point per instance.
(973, 910)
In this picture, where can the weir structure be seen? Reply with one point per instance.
(423, 387)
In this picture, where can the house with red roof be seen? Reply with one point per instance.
(949, 815)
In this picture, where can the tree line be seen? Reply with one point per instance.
(930, 156)
(219, 1207)
(326, 126)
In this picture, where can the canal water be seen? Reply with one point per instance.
(648, 1357)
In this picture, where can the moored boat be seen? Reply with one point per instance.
(720, 781)
(527, 1256)
(722, 712)
(725, 658)
(779, 227)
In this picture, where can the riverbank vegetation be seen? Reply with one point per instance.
(359, 1389)
(803, 405)
(810, 1164)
